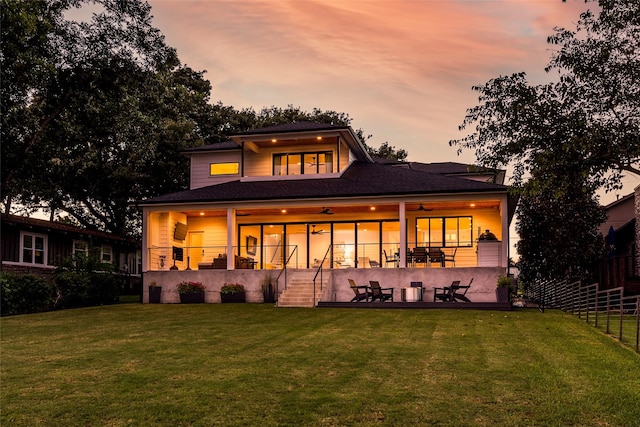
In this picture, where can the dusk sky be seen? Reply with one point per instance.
(402, 70)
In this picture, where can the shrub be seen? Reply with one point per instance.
(81, 289)
(22, 294)
(190, 287)
(231, 288)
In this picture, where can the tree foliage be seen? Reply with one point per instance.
(566, 139)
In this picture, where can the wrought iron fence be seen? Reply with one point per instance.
(608, 310)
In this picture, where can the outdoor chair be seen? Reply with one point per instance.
(374, 264)
(361, 292)
(436, 255)
(418, 285)
(461, 296)
(379, 293)
(420, 255)
(445, 294)
(391, 259)
(450, 257)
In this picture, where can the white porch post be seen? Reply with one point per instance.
(403, 234)
(504, 213)
(231, 233)
(145, 226)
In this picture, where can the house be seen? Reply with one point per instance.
(621, 267)
(303, 198)
(36, 246)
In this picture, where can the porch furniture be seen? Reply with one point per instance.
(418, 285)
(220, 262)
(379, 293)
(374, 264)
(363, 262)
(420, 255)
(391, 259)
(361, 292)
(411, 294)
(461, 296)
(436, 255)
(445, 294)
(450, 257)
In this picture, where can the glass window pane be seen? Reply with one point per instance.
(280, 164)
(231, 168)
(451, 232)
(319, 242)
(465, 227)
(368, 244)
(436, 226)
(310, 164)
(344, 239)
(295, 164)
(273, 246)
(325, 162)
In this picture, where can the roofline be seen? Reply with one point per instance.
(324, 198)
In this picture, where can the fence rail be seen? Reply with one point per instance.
(608, 310)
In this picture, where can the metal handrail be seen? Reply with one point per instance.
(319, 271)
(284, 269)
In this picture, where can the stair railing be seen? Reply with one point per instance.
(319, 272)
(284, 269)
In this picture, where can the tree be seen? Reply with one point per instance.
(568, 138)
(96, 112)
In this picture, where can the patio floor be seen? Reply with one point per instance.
(497, 306)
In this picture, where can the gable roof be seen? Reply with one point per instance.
(360, 179)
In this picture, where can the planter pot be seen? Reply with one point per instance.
(192, 298)
(502, 294)
(154, 294)
(237, 297)
(268, 294)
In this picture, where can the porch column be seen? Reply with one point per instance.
(504, 213)
(231, 232)
(402, 216)
(145, 227)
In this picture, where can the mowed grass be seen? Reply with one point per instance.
(256, 365)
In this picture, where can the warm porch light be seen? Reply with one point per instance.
(373, 208)
(201, 213)
(319, 138)
(274, 140)
(283, 211)
(473, 205)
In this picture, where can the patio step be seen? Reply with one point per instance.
(299, 292)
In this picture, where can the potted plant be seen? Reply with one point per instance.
(232, 292)
(154, 293)
(268, 285)
(503, 288)
(191, 292)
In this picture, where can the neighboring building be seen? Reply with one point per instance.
(38, 246)
(305, 194)
(621, 268)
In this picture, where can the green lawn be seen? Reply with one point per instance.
(256, 365)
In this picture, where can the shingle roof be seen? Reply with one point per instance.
(217, 146)
(361, 179)
(294, 127)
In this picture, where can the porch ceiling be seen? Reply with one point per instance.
(429, 208)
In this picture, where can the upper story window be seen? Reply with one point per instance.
(33, 248)
(229, 168)
(303, 163)
(444, 231)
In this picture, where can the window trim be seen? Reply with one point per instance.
(104, 250)
(45, 248)
(235, 164)
(445, 243)
(302, 154)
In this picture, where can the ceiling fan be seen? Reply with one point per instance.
(314, 231)
(242, 213)
(421, 208)
(326, 211)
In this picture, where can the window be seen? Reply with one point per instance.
(231, 168)
(444, 231)
(303, 163)
(80, 248)
(106, 253)
(33, 248)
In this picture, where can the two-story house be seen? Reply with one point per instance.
(307, 197)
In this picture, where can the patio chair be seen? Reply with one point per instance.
(391, 259)
(445, 294)
(450, 257)
(418, 285)
(420, 255)
(361, 292)
(436, 255)
(461, 296)
(379, 293)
